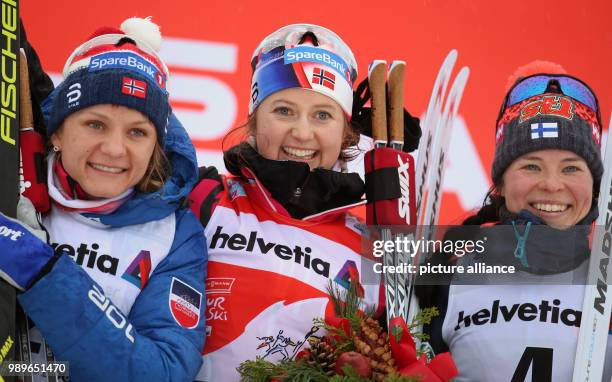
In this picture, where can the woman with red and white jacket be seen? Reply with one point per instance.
(278, 226)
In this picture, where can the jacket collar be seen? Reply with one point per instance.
(299, 192)
(547, 250)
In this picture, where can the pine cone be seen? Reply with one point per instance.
(322, 355)
(373, 342)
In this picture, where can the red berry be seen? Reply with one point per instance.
(302, 354)
(359, 362)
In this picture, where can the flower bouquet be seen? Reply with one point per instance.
(357, 348)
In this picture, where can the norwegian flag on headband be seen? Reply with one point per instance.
(134, 87)
(323, 77)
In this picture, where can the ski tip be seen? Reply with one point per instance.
(396, 63)
(464, 72)
(376, 65)
(450, 59)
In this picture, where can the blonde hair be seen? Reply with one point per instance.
(157, 173)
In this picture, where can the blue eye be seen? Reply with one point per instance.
(531, 167)
(323, 115)
(97, 125)
(138, 132)
(282, 110)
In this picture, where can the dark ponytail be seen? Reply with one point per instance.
(489, 212)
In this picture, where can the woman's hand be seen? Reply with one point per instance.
(23, 246)
(28, 216)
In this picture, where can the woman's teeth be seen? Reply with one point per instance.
(114, 170)
(299, 153)
(550, 207)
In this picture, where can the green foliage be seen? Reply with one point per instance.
(400, 378)
(346, 305)
(341, 341)
(261, 370)
(350, 375)
(423, 317)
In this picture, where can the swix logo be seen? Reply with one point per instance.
(74, 94)
(11, 233)
(545, 312)
(112, 313)
(104, 263)
(403, 202)
(254, 93)
(548, 105)
(252, 243)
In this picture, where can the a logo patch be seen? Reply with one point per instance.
(74, 94)
(557, 106)
(184, 303)
(219, 284)
(544, 130)
(129, 61)
(235, 189)
(134, 87)
(317, 55)
(323, 77)
(346, 274)
(139, 270)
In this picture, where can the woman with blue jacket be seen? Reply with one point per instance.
(117, 289)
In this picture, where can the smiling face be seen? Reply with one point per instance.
(106, 148)
(300, 125)
(555, 185)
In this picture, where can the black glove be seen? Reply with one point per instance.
(362, 118)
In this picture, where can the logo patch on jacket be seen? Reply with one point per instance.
(185, 304)
(235, 189)
(139, 270)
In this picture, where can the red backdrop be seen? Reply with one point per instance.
(210, 44)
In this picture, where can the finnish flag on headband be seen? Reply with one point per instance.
(544, 130)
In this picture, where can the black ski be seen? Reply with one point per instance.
(9, 159)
